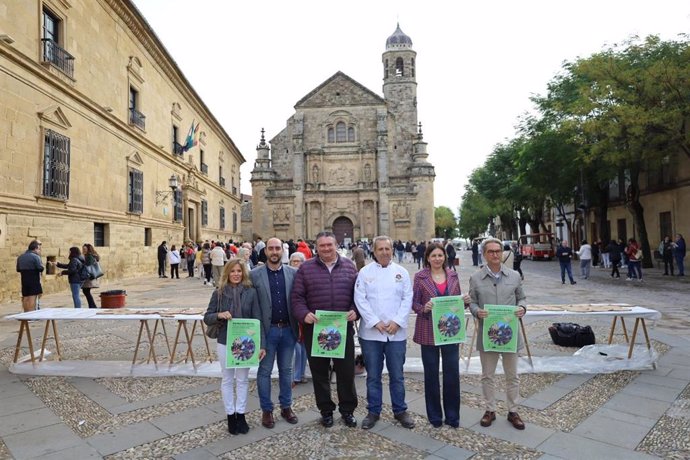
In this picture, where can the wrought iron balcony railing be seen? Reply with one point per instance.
(177, 148)
(58, 57)
(137, 118)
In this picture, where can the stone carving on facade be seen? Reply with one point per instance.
(315, 218)
(368, 218)
(281, 215)
(367, 172)
(315, 174)
(381, 117)
(401, 210)
(342, 176)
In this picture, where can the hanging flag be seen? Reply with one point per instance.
(196, 134)
(189, 141)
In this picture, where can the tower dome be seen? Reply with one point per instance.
(398, 40)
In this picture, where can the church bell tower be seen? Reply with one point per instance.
(399, 79)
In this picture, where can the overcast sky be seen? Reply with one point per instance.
(477, 62)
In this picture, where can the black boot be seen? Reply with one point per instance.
(232, 423)
(242, 426)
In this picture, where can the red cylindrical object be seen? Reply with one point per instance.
(113, 299)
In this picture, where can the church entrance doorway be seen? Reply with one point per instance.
(342, 228)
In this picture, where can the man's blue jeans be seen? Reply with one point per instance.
(394, 353)
(76, 289)
(300, 362)
(566, 267)
(280, 344)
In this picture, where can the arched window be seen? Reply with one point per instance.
(331, 135)
(385, 69)
(412, 67)
(340, 132)
(350, 134)
(399, 69)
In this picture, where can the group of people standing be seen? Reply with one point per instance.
(380, 296)
(618, 254)
(30, 266)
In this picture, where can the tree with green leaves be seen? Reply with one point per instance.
(627, 107)
(445, 223)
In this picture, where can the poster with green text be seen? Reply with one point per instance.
(330, 334)
(448, 319)
(500, 331)
(243, 343)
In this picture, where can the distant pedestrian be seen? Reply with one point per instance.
(421, 249)
(162, 255)
(218, 259)
(73, 267)
(300, 364)
(358, 257)
(190, 257)
(206, 262)
(679, 253)
(614, 253)
(475, 253)
(666, 250)
(450, 251)
(517, 260)
(634, 254)
(565, 255)
(30, 267)
(585, 254)
(91, 257)
(174, 261)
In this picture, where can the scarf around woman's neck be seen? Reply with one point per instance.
(235, 294)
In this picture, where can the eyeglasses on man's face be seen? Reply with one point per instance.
(494, 252)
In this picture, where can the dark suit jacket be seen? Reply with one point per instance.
(259, 277)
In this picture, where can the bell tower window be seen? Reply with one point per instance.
(385, 69)
(412, 68)
(399, 68)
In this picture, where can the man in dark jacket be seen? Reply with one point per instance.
(162, 255)
(565, 256)
(327, 282)
(30, 267)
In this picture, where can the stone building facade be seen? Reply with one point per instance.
(349, 161)
(93, 116)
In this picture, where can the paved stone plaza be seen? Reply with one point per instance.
(627, 415)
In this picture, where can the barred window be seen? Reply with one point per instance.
(56, 156)
(234, 222)
(222, 217)
(204, 213)
(177, 200)
(135, 198)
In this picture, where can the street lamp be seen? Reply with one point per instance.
(162, 195)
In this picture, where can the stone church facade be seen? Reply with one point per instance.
(349, 161)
